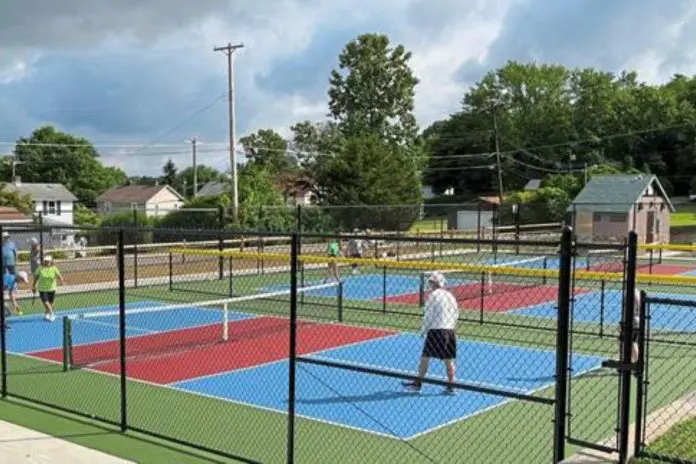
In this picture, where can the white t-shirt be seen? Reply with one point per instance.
(441, 311)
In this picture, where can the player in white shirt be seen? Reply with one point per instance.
(439, 328)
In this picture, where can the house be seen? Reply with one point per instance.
(155, 201)
(53, 202)
(534, 184)
(213, 189)
(10, 215)
(609, 207)
(474, 216)
(297, 189)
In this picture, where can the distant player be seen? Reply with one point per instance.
(9, 254)
(334, 251)
(34, 255)
(10, 286)
(356, 247)
(439, 328)
(46, 280)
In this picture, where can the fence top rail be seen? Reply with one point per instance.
(650, 299)
(499, 269)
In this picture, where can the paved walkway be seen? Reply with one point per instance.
(21, 445)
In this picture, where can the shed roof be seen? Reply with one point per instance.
(134, 193)
(616, 193)
(42, 191)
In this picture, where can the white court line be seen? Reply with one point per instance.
(107, 324)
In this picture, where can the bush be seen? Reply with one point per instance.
(126, 220)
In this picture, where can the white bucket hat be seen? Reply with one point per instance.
(437, 279)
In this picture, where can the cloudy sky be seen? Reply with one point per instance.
(139, 77)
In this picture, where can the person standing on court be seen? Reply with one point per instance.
(46, 279)
(439, 328)
(9, 254)
(34, 255)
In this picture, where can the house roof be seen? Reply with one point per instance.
(616, 193)
(9, 214)
(38, 191)
(533, 184)
(212, 188)
(134, 193)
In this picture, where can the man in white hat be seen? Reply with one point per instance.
(439, 328)
(34, 255)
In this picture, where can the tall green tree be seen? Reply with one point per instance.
(369, 171)
(51, 156)
(12, 198)
(169, 174)
(204, 174)
(372, 90)
(267, 149)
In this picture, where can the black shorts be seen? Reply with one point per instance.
(440, 344)
(47, 297)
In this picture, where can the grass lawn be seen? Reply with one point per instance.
(429, 225)
(685, 215)
(679, 442)
(515, 431)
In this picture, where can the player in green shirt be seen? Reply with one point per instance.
(334, 251)
(46, 279)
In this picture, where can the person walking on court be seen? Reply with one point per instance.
(10, 286)
(356, 247)
(334, 251)
(439, 328)
(46, 279)
(34, 255)
(9, 254)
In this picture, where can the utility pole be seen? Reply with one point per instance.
(13, 162)
(497, 156)
(194, 142)
(229, 50)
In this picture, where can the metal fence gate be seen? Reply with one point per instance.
(666, 379)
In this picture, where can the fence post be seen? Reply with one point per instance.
(122, 327)
(478, 229)
(298, 226)
(171, 272)
(3, 332)
(626, 347)
(41, 236)
(221, 242)
(517, 227)
(562, 342)
(293, 349)
(640, 373)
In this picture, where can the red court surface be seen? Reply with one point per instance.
(155, 358)
(657, 269)
(500, 297)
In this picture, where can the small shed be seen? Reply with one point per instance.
(472, 216)
(611, 206)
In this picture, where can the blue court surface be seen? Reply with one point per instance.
(32, 333)
(379, 404)
(367, 287)
(588, 308)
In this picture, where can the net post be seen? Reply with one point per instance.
(517, 229)
(478, 229)
(293, 351)
(171, 271)
(483, 297)
(601, 308)
(650, 263)
(225, 321)
(221, 258)
(384, 289)
(421, 291)
(3, 333)
(562, 344)
(230, 278)
(122, 329)
(340, 301)
(546, 266)
(67, 345)
(626, 347)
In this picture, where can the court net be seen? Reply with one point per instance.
(467, 285)
(94, 338)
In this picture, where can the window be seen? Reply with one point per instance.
(51, 207)
(134, 206)
(610, 217)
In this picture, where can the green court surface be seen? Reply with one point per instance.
(516, 431)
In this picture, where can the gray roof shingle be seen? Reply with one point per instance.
(212, 189)
(615, 193)
(42, 191)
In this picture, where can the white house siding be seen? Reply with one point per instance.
(51, 211)
(163, 203)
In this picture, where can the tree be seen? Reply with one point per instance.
(204, 174)
(169, 173)
(51, 156)
(693, 186)
(261, 205)
(372, 90)
(13, 199)
(84, 216)
(367, 172)
(269, 150)
(143, 180)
